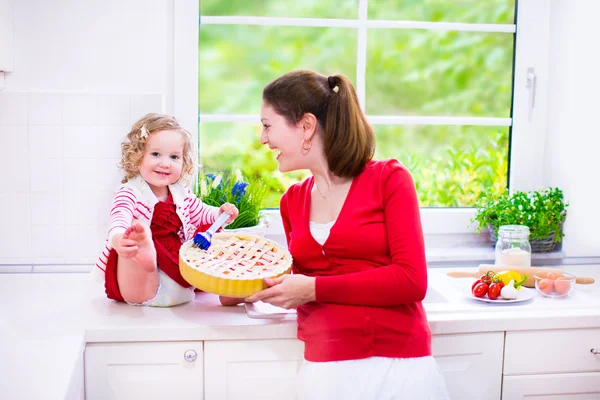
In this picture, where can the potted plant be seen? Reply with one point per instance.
(543, 211)
(248, 195)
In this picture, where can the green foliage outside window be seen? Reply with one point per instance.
(409, 72)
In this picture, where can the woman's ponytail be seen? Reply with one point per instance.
(349, 141)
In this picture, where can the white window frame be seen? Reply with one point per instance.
(528, 124)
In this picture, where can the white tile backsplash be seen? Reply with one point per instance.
(78, 108)
(140, 104)
(15, 147)
(46, 175)
(13, 109)
(15, 235)
(45, 141)
(80, 141)
(82, 243)
(44, 108)
(63, 150)
(48, 244)
(81, 208)
(111, 109)
(47, 208)
(80, 175)
(109, 139)
(109, 175)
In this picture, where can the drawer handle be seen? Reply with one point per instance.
(190, 356)
(594, 351)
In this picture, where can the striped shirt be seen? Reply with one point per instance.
(135, 200)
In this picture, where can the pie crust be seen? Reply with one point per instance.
(235, 265)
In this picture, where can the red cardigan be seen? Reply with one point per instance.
(371, 272)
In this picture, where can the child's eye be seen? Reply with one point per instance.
(266, 126)
(154, 154)
(175, 157)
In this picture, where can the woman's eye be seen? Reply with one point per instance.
(154, 154)
(266, 126)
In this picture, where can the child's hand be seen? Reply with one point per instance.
(229, 209)
(124, 246)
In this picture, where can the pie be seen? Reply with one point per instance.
(234, 265)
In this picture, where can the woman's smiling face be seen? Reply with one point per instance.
(283, 138)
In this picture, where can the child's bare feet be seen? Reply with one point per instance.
(146, 253)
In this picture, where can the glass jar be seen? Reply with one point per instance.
(513, 248)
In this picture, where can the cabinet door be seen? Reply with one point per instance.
(582, 386)
(130, 371)
(552, 352)
(471, 364)
(252, 369)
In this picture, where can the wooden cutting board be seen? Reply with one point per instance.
(529, 271)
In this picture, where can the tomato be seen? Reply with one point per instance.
(487, 278)
(480, 289)
(475, 284)
(494, 291)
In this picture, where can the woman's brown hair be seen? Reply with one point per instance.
(132, 150)
(349, 141)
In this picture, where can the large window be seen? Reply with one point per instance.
(435, 79)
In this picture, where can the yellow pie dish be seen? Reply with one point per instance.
(235, 265)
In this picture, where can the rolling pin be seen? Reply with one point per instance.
(529, 271)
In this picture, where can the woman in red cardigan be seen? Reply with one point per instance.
(354, 231)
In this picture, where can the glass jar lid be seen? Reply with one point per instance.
(514, 231)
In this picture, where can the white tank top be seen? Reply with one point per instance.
(321, 231)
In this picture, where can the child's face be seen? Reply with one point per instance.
(163, 159)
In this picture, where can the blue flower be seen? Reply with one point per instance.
(239, 190)
(211, 177)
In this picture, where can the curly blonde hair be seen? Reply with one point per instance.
(132, 149)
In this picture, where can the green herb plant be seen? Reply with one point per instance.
(247, 194)
(543, 211)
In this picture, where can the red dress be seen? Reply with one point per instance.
(165, 226)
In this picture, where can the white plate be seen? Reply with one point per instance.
(523, 295)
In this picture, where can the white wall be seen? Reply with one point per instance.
(84, 70)
(573, 143)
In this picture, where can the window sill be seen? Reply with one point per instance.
(472, 255)
(443, 247)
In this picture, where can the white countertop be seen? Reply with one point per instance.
(46, 320)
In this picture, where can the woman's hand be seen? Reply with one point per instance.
(229, 209)
(287, 291)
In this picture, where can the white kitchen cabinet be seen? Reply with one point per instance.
(547, 352)
(252, 369)
(76, 389)
(554, 365)
(471, 364)
(131, 371)
(576, 386)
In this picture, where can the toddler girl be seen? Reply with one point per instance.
(152, 214)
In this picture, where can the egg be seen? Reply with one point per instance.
(546, 286)
(562, 285)
(553, 276)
